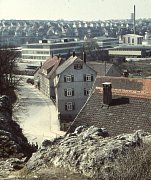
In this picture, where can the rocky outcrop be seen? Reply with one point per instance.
(87, 151)
(13, 144)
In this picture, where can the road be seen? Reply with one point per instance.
(36, 114)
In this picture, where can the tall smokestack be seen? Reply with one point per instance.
(134, 21)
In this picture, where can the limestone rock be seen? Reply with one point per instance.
(85, 151)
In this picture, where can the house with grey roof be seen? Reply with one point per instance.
(73, 83)
(120, 105)
(105, 69)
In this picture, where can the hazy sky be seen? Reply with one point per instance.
(73, 9)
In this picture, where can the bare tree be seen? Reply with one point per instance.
(94, 52)
(8, 79)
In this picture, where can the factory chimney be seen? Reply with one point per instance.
(134, 21)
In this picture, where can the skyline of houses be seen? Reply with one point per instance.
(18, 32)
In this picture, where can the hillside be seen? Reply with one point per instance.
(91, 154)
(88, 153)
(15, 149)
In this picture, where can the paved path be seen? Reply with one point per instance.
(37, 114)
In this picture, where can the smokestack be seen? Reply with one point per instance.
(134, 21)
(73, 54)
(107, 93)
(84, 57)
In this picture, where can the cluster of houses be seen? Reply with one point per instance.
(90, 93)
(18, 32)
(69, 83)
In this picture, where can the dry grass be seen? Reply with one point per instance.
(134, 165)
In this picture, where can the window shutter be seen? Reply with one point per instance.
(72, 78)
(64, 78)
(66, 106)
(72, 92)
(73, 106)
(84, 77)
(84, 92)
(65, 92)
(91, 77)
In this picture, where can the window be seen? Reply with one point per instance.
(86, 92)
(69, 78)
(69, 106)
(69, 92)
(88, 77)
(128, 39)
(78, 66)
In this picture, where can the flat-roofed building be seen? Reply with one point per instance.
(39, 52)
(107, 42)
(132, 39)
(138, 51)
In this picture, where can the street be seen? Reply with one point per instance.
(36, 114)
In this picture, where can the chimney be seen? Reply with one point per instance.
(134, 21)
(40, 64)
(84, 57)
(107, 93)
(73, 54)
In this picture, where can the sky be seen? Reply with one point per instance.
(87, 10)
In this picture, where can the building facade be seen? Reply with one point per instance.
(73, 83)
(132, 39)
(39, 52)
(44, 77)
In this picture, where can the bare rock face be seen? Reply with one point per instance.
(13, 144)
(88, 150)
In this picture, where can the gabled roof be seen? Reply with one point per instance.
(67, 63)
(127, 112)
(49, 62)
(50, 65)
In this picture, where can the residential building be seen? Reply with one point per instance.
(73, 84)
(120, 105)
(44, 76)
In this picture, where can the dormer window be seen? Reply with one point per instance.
(78, 66)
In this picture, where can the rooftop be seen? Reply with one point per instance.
(129, 110)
